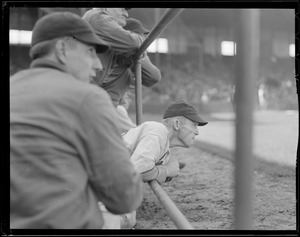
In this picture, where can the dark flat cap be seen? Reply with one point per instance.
(61, 24)
(182, 108)
(135, 26)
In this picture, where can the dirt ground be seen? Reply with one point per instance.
(204, 193)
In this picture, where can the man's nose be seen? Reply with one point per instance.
(98, 65)
(196, 131)
(125, 12)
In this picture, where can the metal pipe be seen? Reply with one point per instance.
(157, 17)
(138, 91)
(169, 15)
(246, 74)
(166, 19)
(176, 216)
(174, 213)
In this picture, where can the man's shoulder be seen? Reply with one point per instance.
(99, 15)
(154, 127)
(66, 83)
(153, 124)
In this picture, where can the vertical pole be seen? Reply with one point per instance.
(157, 17)
(200, 53)
(247, 63)
(138, 91)
(82, 11)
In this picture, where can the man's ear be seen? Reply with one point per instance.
(60, 51)
(176, 124)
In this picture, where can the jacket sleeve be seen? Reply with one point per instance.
(150, 73)
(111, 174)
(158, 173)
(120, 40)
(147, 155)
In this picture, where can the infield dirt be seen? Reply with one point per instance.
(204, 193)
(204, 190)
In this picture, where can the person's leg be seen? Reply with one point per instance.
(111, 221)
(128, 220)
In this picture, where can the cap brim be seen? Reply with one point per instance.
(93, 39)
(197, 119)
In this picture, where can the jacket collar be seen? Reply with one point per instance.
(47, 63)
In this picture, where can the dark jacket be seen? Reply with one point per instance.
(66, 153)
(116, 76)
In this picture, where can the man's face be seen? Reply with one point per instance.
(119, 14)
(187, 132)
(82, 61)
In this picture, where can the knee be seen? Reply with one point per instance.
(128, 220)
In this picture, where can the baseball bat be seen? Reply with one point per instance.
(174, 213)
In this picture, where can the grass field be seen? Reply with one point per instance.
(204, 191)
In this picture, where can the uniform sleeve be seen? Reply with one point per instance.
(150, 73)
(111, 174)
(120, 40)
(147, 153)
(158, 172)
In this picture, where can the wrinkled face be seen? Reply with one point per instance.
(119, 14)
(81, 60)
(187, 132)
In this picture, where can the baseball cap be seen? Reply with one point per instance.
(60, 24)
(136, 26)
(181, 108)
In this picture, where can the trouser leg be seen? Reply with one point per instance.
(128, 220)
(111, 221)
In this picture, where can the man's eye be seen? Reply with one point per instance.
(92, 51)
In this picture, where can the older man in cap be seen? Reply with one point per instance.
(150, 143)
(110, 24)
(66, 152)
